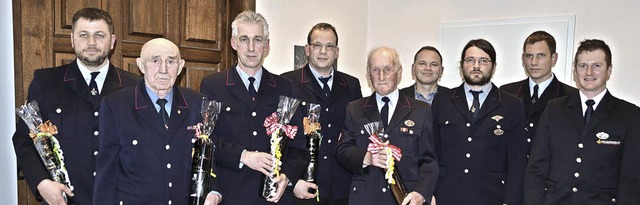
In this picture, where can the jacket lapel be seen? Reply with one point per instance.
(490, 103)
(146, 110)
(268, 86)
(402, 110)
(459, 100)
(179, 111)
(75, 82)
(311, 84)
(236, 87)
(113, 81)
(574, 111)
(370, 108)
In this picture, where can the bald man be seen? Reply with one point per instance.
(408, 127)
(145, 147)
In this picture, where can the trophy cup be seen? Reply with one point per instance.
(311, 126)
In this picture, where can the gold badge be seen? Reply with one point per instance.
(497, 118)
(602, 135)
(409, 123)
(179, 112)
(498, 131)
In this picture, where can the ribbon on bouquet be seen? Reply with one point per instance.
(272, 125)
(376, 146)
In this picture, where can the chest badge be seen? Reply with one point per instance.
(497, 118)
(498, 131)
(409, 123)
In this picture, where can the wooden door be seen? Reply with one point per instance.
(200, 28)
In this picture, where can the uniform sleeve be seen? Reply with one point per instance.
(27, 157)
(538, 165)
(348, 155)
(516, 156)
(428, 165)
(108, 161)
(629, 185)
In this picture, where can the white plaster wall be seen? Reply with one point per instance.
(408, 25)
(290, 21)
(8, 174)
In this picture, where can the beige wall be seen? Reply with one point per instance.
(408, 24)
(8, 175)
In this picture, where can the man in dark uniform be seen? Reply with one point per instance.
(407, 125)
(249, 94)
(69, 96)
(427, 70)
(586, 147)
(538, 57)
(479, 136)
(318, 82)
(145, 146)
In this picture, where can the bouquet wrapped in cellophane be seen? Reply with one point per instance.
(277, 127)
(311, 130)
(202, 153)
(46, 144)
(380, 143)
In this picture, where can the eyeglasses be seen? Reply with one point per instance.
(472, 61)
(318, 46)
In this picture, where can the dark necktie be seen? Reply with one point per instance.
(163, 112)
(252, 89)
(589, 111)
(534, 97)
(93, 86)
(475, 106)
(325, 85)
(384, 112)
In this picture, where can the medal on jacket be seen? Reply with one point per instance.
(498, 131)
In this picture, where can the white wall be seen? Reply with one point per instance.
(290, 21)
(407, 25)
(8, 175)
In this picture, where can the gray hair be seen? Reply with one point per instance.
(249, 17)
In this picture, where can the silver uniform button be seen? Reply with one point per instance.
(580, 145)
(96, 114)
(134, 142)
(255, 133)
(502, 181)
(469, 139)
(170, 184)
(168, 165)
(95, 153)
(384, 189)
(167, 147)
(325, 157)
(304, 103)
(446, 122)
(253, 114)
(576, 174)
(94, 174)
(468, 124)
(193, 140)
(466, 171)
(410, 132)
(228, 109)
(578, 160)
(613, 199)
(327, 109)
(468, 155)
(362, 132)
(121, 203)
(528, 139)
(574, 189)
(169, 202)
(329, 141)
(328, 125)
(531, 124)
(96, 133)
(58, 110)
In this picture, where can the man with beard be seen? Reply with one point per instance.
(69, 96)
(479, 136)
(427, 70)
(586, 147)
(538, 57)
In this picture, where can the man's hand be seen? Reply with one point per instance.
(258, 161)
(413, 198)
(52, 191)
(302, 190)
(213, 199)
(433, 200)
(282, 184)
(378, 159)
